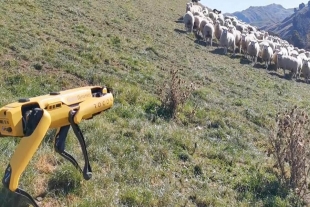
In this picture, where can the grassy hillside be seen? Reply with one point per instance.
(213, 154)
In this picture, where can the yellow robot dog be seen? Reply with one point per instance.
(31, 118)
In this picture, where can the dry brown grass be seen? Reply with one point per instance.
(174, 92)
(46, 164)
(290, 147)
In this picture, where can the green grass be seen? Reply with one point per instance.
(213, 155)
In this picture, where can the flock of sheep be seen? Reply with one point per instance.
(249, 40)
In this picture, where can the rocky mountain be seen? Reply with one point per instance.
(263, 15)
(295, 28)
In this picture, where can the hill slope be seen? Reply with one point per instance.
(212, 155)
(294, 28)
(263, 15)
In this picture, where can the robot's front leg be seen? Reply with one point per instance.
(36, 127)
(60, 141)
(60, 145)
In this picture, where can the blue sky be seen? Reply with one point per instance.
(230, 6)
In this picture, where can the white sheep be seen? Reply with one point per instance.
(227, 40)
(245, 41)
(237, 35)
(197, 22)
(281, 50)
(203, 23)
(288, 62)
(301, 51)
(261, 46)
(275, 57)
(213, 16)
(188, 6)
(217, 29)
(299, 61)
(253, 50)
(200, 14)
(189, 20)
(305, 70)
(235, 22)
(220, 18)
(303, 56)
(241, 27)
(244, 44)
(193, 8)
(205, 12)
(267, 55)
(252, 28)
(284, 51)
(294, 52)
(227, 23)
(208, 33)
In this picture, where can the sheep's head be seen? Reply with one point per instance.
(265, 47)
(253, 43)
(243, 37)
(231, 29)
(251, 28)
(304, 61)
(225, 30)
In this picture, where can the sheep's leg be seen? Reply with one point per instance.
(246, 55)
(255, 61)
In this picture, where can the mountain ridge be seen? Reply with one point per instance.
(294, 28)
(259, 15)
